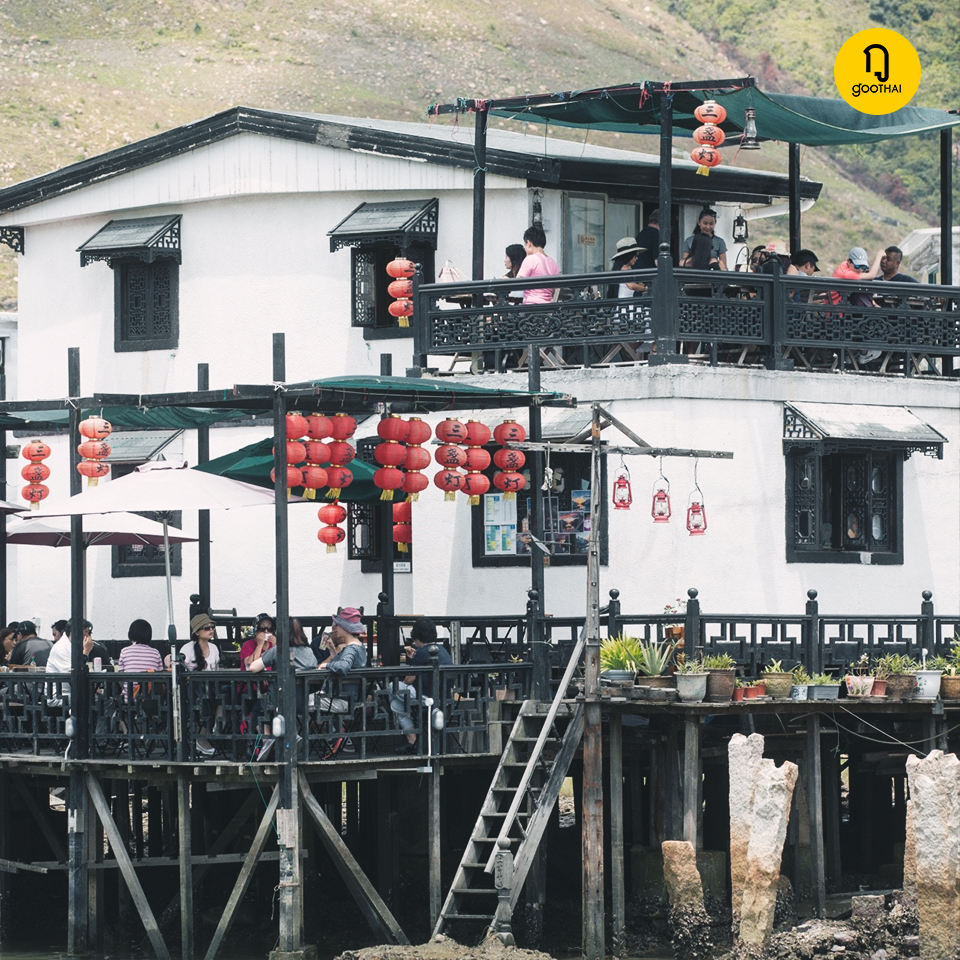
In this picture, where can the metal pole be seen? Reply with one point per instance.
(592, 656)
(946, 206)
(666, 166)
(3, 487)
(203, 516)
(79, 691)
(794, 196)
(538, 649)
(479, 190)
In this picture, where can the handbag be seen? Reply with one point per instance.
(450, 274)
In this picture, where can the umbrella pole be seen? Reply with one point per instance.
(172, 637)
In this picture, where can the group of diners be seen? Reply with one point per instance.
(337, 651)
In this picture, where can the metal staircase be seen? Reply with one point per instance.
(516, 810)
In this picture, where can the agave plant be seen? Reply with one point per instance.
(654, 657)
(620, 653)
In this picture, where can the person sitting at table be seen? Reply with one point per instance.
(537, 264)
(264, 637)
(346, 652)
(8, 637)
(197, 654)
(890, 267)
(29, 649)
(139, 656)
(513, 260)
(423, 636)
(648, 240)
(61, 656)
(804, 262)
(857, 267)
(301, 653)
(624, 259)
(706, 223)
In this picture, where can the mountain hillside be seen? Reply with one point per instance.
(81, 77)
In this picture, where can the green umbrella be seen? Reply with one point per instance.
(253, 463)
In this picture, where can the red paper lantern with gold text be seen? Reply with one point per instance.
(314, 478)
(296, 452)
(331, 514)
(342, 426)
(509, 459)
(393, 428)
(318, 426)
(414, 483)
(93, 470)
(418, 431)
(331, 536)
(710, 112)
(477, 434)
(449, 481)
(294, 477)
(91, 466)
(337, 477)
(296, 426)
(475, 484)
(417, 459)
(95, 428)
(450, 455)
(341, 453)
(402, 271)
(35, 451)
(315, 451)
(35, 472)
(706, 157)
(477, 459)
(510, 483)
(388, 479)
(402, 525)
(509, 432)
(709, 134)
(400, 288)
(94, 449)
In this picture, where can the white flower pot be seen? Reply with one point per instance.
(928, 685)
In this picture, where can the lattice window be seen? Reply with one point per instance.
(146, 305)
(369, 281)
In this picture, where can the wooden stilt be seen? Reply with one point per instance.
(815, 801)
(121, 817)
(77, 825)
(95, 792)
(246, 874)
(433, 832)
(617, 887)
(5, 823)
(154, 822)
(387, 857)
(41, 816)
(186, 871)
(593, 944)
(288, 828)
(93, 842)
(691, 780)
(635, 780)
(376, 912)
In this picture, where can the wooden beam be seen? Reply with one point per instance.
(433, 842)
(815, 802)
(41, 817)
(14, 866)
(376, 912)
(593, 943)
(95, 792)
(691, 779)
(617, 886)
(78, 827)
(632, 451)
(246, 874)
(186, 867)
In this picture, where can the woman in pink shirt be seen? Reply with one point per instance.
(537, 264)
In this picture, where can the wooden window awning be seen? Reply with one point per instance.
(399, 222)
(145, 238)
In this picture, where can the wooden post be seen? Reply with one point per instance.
(691, 780)
(815, 801)
(203, 516)
(5, 822)
(186, 871)
(77, 817)
(387, 860)
(593, 943)
(618, 892)
(433, 834)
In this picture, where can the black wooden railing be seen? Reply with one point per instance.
(776, 320)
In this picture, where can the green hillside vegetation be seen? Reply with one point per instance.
(81, 77)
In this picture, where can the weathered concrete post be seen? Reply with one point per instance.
(688, 919)
(745, 754)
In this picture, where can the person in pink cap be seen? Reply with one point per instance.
(346, 652)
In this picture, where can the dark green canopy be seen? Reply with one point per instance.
(635, 108)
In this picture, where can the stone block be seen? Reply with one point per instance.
(646, 872)
(680, 873)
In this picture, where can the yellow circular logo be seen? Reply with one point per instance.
(877, 71)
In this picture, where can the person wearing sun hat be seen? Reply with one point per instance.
(624, 259)
(347, 652)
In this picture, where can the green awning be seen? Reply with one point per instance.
(57, 416)
(635, 108)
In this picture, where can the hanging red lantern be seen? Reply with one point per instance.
(477, 433)
(509, 432)
(342, 426)
(34, 493)
(337, 477)
(294, 477)
(332, 513)
(706, 157)
(510, 483)
(474, 486)
(477, 459)
(93, 470)
(296, 452)
(660, 508)
(402, 310)
(318, 426)
(400, 267)
(509, 459)
(696, 519)
(403, 536)
(622, 494)
(95, 428)
(35, 451)
(390, 454)
(419, 432)
(414, 483)
(35, 472)
(314, 451)
(393, 428)
(402, 512)
(417, 459)
(449, 481)
(93, 449)
(331, 536)
(450, 455)
(710, 112)
(451, 430)
(340, 452)
(388, 479)
(400, 288)
(709, 134)
(314, 478)
(296, 426)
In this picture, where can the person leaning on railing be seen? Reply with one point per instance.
(537, 264)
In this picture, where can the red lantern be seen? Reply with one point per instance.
(696, 519)
(403, 536)
(449, 481)
(331, 536)
(35, 472)
(477, 459)
(36, 450)
(451, 430)
(390, 454)
(706, 156)
(477, 433)
(710, 112)
(393, 428)
(316, 452)
(414, 483)
(338, 477)
(400, 288)
(93, 470)
(474, 486)
(294, 477)
(342, 426)
(332, 513)
(318, 426)
(402, 310)
(314, 477)
(400, 268)
(622, 494)
(509, 432)
(95, 428)
(449, 455)
(660, 508)
(510, 483)
(94, 449)
(417, 459)
(388, 479)
(709, 134)
(509, 459)
(340, 452)
(419, 432)
(402, 512)
(296, 426)
(34, 493)
(296, 451)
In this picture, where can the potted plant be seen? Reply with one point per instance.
(753, 689)
(950, 681)
(652, 662)
(928, 678)
(722, 677)
(691, 679)
(674, 631)
(880, 676)
(859, 680)
(618, 658)
(739, 691)
(801, 683)
(901, 675)
(778, 680)
(822, 686)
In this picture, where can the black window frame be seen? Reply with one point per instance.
(369, 300)
(123, 341)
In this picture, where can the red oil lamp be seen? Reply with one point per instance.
(696, 519)
(660, 509)
(622, 494)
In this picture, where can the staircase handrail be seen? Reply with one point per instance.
(511, 816)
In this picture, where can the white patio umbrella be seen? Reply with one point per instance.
(7, 507)
(117, 529)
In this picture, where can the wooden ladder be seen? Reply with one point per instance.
(516, 809)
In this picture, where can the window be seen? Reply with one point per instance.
(501, 527)
(145, 257)
(369, 299)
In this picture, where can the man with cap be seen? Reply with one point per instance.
(30, 650)
(423, 638)
(857, 267)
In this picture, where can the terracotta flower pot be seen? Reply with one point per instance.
(721, 684)
(737, 694)
(751, 693)
(900, 686)
(949, 687)
(879, 688)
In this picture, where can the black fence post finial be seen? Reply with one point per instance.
(613, 614)
(692, 642)
(929, 640)
(812, 643)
